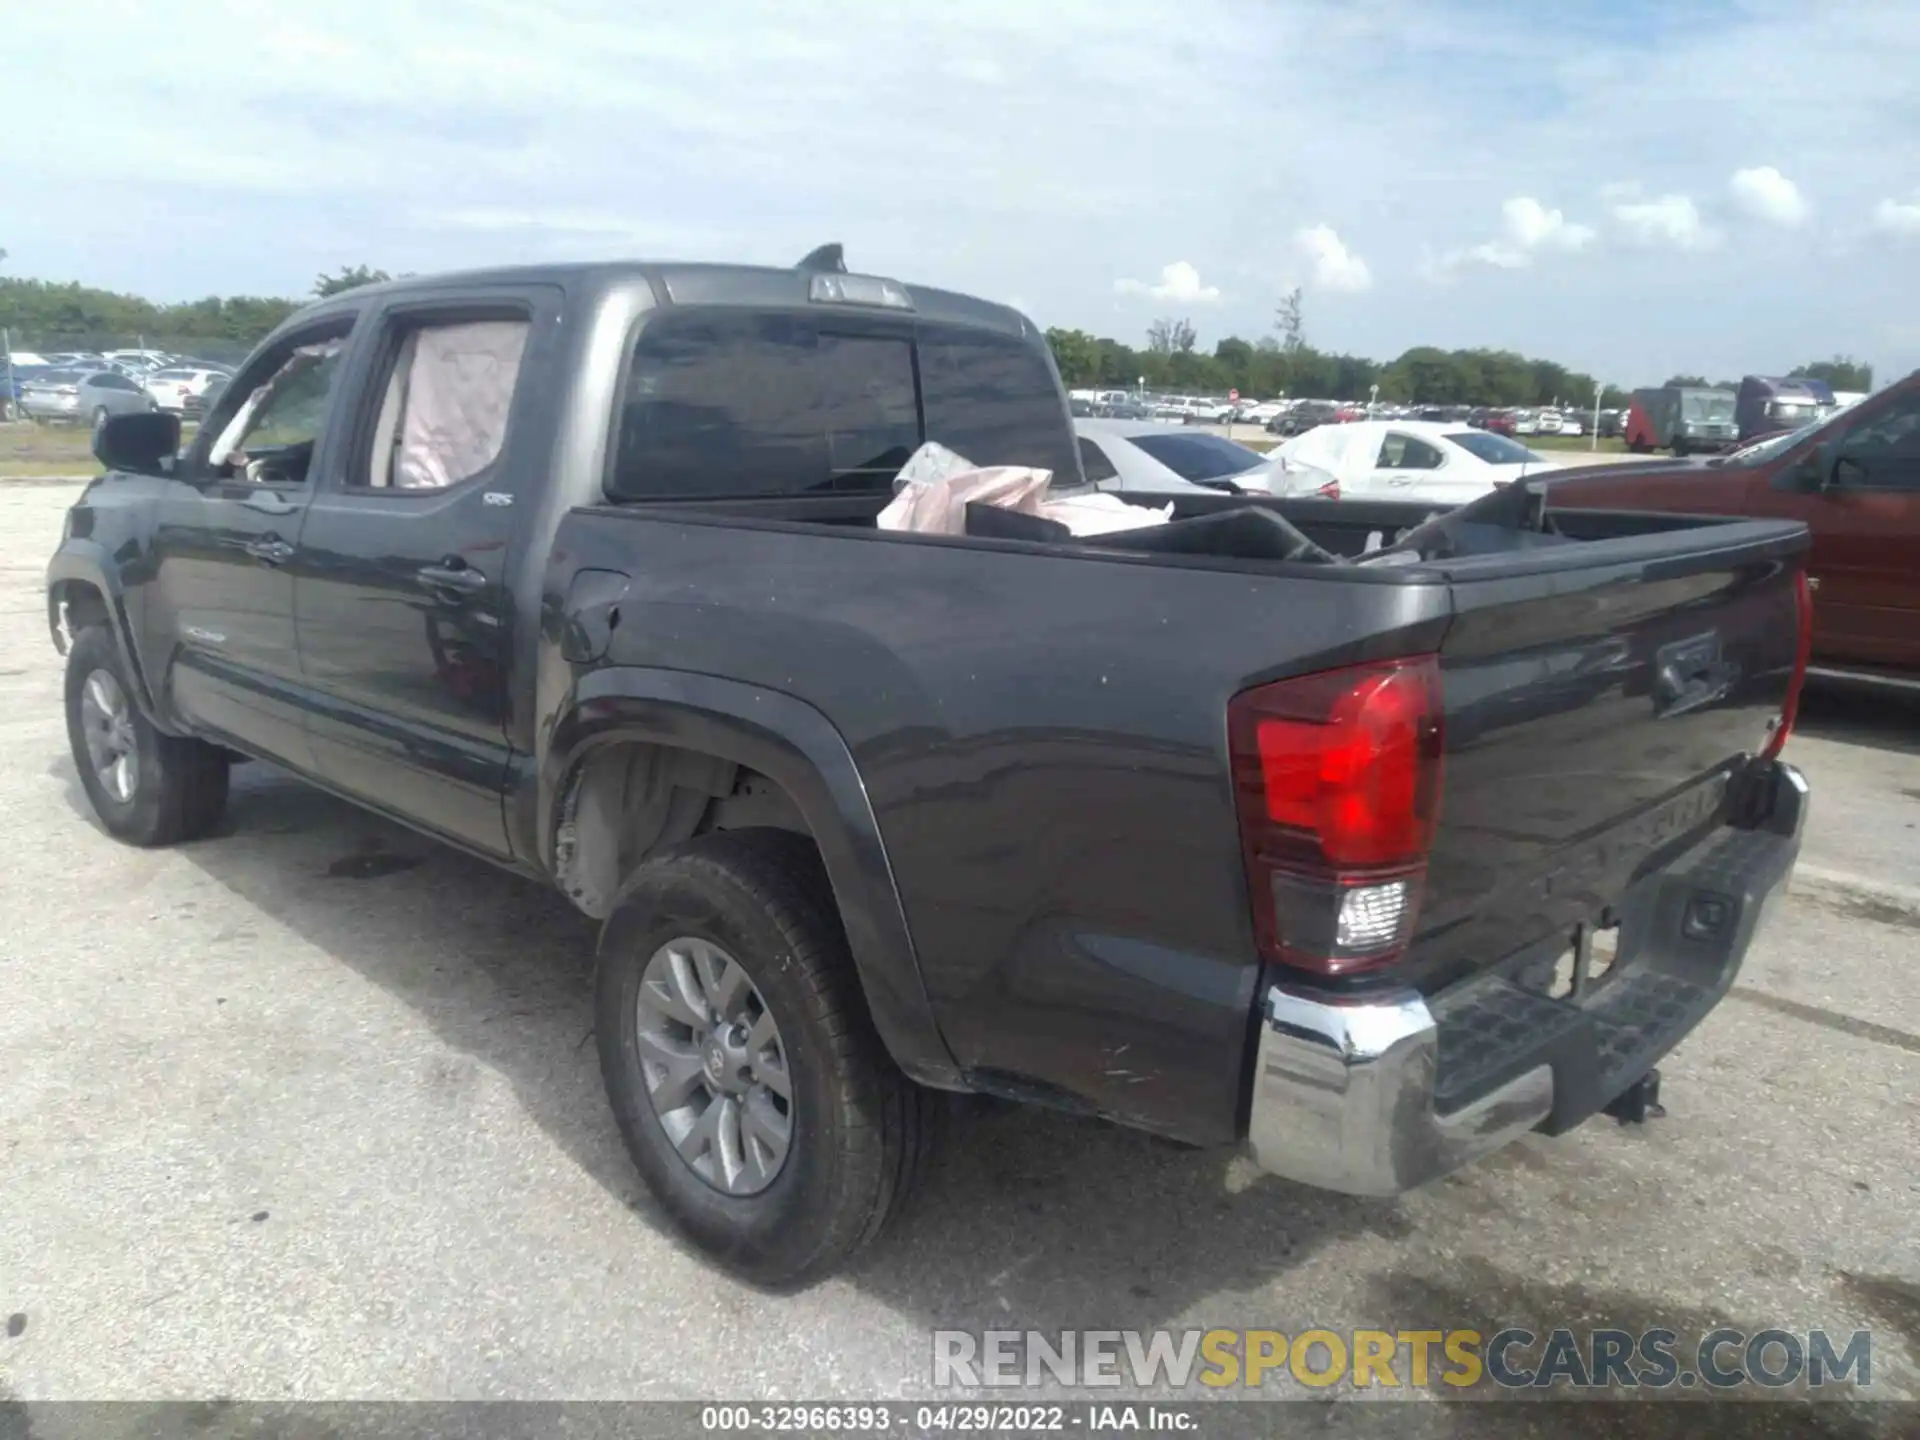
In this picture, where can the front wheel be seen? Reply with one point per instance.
(146, 787)
(753, 1093)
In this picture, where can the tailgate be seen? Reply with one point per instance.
(1597, 700)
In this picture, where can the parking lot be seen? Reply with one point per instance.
(311, 1110)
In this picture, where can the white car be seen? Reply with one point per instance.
(1411, 460)
(182, 389)
(136, 360)
(1140, 455)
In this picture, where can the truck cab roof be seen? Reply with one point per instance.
(676, 282)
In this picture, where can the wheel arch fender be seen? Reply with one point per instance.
(83, 585)
(796, 746)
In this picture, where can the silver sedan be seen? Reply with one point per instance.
(88, 395)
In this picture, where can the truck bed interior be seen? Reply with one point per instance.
(1231, 529)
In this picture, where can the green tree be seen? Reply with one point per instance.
(1236, 360)
(1077, 354)
(1842, 372)
(1690, 382)
(1289, 324)
(351, 277)
(1424, 375)
(42, 315)
(1170, 337)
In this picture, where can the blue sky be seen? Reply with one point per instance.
(1630, 187)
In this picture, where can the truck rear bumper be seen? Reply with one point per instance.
(1377, 1096)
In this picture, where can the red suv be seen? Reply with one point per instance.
(1854, 477)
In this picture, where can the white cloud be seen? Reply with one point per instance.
(1765, 194)
(1179, 282)
(409, 137)
(1672, 221)
(1532, 226)
(1335, 267)
(1527, 227)
(1897, 217)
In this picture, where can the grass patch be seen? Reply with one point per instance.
(30, 451)
(47, 450)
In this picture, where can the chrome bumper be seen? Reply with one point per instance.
(1352, 1096)
(1344, 1097)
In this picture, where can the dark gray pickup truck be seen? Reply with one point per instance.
(1229, 828)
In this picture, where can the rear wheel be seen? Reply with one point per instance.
(754, 1096)
(146, 787)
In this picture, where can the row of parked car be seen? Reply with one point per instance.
(88, 387)
(1287, 418)
(1434, 462)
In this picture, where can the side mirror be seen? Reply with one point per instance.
(145, 444)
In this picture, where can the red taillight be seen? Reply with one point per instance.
(1337, 780)
(1329, 491)
(1803, 653)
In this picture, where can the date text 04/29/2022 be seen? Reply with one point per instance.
(961, 1418)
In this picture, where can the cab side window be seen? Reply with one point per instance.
(444, 404)
(270, 437)
(1883, 453)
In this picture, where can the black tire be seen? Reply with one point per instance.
(860, 1130)
(1680, 450)
(180, 789)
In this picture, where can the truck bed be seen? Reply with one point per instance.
(1040, 730)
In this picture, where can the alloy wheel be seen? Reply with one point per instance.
(106, 723)
(715, 1066)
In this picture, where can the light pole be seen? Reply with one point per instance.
(1373, 398)
(1593, 442)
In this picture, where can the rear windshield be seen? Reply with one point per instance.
(1199, 457)
(723, 405)
(1494, 449)
(993, 398)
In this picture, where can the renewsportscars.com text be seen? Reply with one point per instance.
(1456, 1360)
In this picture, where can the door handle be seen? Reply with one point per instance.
(270, 550)
(462, 577)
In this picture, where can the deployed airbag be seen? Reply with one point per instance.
(936, 486)
(459, 388)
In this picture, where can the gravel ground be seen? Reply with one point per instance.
(280, 1121)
